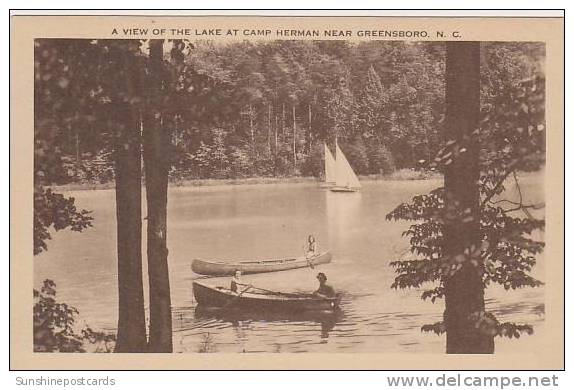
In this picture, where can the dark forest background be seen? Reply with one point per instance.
(264, 109)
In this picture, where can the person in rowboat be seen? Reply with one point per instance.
(236, 282)
(324, 290)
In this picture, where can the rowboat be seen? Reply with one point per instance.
(251, 298)
(220, 268)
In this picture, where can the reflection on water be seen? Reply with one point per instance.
(270, 221)
(342, 215)
(207, 344)
(239, 318)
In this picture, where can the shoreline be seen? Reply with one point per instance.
(398, 176)
(199, 183)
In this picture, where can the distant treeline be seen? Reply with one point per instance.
(265, 109)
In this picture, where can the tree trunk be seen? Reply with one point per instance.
(78, 158)
(131, 335)
(156, 163)
(464, 291)
(310, 134)
(276, 128)
(294, 135)
(428, 145)
(269, 128)
(283, 121)
(251, 130)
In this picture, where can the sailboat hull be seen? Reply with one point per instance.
(344, 189)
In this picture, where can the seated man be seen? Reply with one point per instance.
(324, 290)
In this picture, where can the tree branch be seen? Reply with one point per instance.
(520, 204)
(510, 169)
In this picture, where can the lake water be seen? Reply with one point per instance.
(270, 221)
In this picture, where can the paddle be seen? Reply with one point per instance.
(310, 263)
(309, 259)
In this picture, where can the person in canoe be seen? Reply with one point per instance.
(312, 249)
(236, 282)
(324, 290)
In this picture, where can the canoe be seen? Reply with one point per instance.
(257, 300)
(220, 268)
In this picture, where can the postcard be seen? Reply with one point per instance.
(194, 192)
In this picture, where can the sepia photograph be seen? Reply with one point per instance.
(313, 191)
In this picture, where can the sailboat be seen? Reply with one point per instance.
(330, 167)
(345, 178)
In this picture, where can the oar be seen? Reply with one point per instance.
(235, 298)
(273, 292)
(280, 293)
(267, 291)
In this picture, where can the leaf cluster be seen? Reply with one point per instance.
(56, 327)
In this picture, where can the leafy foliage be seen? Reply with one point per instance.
(55, 326)
(53, 210)
(488, 324)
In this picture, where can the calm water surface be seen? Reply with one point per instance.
(262, 221)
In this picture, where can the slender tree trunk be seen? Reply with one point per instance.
(464, 291)
(428, 145)
(251, 127)
(78, 158)
(309, 134)
(276, 128)
(269, 128)
(294, 138)
(131, 335)
(156, 136)
(283, 121)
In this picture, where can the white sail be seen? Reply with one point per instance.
(329, 166)
(345, 175)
